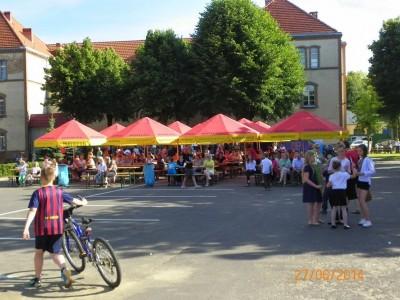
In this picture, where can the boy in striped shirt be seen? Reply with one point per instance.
(46, 210)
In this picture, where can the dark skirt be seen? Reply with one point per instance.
(311, 195)
(337, 198)
(351, 189)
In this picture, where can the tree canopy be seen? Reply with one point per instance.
(87, 84)
(366, 108)
(356, 83)
(244, 65)
(160, 77)
(384, 71)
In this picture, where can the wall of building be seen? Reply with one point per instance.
(35, 80)
(14, 122)
(327, 77)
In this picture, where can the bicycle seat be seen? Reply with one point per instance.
(86, 221)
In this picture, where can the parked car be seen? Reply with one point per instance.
(357, 143)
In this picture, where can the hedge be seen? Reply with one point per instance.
(8, 169)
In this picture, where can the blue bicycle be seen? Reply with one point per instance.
(78, 248)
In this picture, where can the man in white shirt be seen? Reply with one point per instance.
(297, 167)
(266, 169)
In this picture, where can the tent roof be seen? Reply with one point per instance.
(146, 127)
(220, 125)
(113, 129)
(261, 128)
(179, 127)
(71, 133)
(304, 121)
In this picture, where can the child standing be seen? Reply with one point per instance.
(23, 170)
(338, 183)
(46, 209)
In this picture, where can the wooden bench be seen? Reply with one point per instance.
(124, 178)
(11, 180)
(174, 176)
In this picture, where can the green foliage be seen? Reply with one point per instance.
(367, 109)
(356, 83)
(52, 123)
(244, 65)
(160, 76)
(7, 169)
(385, 71)
(87, 83)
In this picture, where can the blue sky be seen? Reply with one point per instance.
(69, 20)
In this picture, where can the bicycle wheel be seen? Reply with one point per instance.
(73, 248)
(107, 262)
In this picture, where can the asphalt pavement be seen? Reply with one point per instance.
(227, 241)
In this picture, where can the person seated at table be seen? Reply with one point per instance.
(197, 163)
(100, 177)
(297, 167)
(34, 173)
(209, 168)
(171, 168)
(189, 174)
(77, 167)
(111, 169)
(284, 167)
(90, 164)
(250, 167)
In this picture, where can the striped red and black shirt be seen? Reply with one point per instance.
(49, 215)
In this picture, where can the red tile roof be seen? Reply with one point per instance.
(125, 49)
(42, 120)
(294, 20)
(12, 35)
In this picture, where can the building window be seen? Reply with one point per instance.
(3, 140)
(314, 58)
(303, 56)
(310, 95)
(3, 70)
(2, 105)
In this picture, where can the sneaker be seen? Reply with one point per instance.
(346, 227)
(333, 226)
(66, 276)
(35, 282)
(362, 221)
(367, 224)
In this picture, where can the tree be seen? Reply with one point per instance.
(159, 78)
(244, 65)
(87, 83)
(385, 72)
(356, 83)
(366, 109)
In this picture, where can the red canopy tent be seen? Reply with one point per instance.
(113, 129)
(261, 128)
(179, 127)
(262, 124)
(70, 134)
(304, 125)
(144, 132)
(219, 129)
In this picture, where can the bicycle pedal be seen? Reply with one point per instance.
(82, 255)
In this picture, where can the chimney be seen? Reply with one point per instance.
(7, 14)
(314, 14)
(27, 32)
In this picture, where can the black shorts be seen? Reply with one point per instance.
(362, 185)
(49, 243)
(337, 198)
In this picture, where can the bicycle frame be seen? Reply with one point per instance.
(85, 240)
